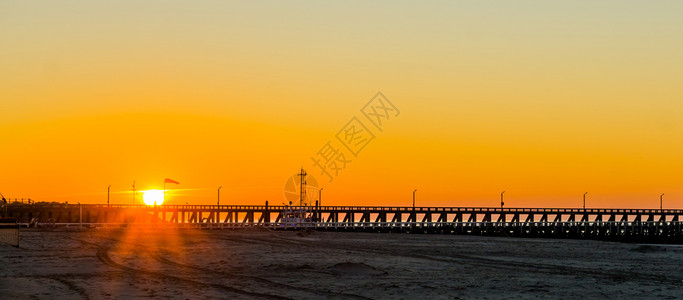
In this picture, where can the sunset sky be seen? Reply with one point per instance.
(543, 99)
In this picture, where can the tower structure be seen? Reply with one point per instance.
(302, 189)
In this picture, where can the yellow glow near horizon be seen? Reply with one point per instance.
(153, 197)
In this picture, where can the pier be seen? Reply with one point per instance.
(602, 223)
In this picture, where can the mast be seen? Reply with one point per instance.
(302, 190)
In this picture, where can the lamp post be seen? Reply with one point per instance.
(318, 204)
(501, 200)
(320, 196)
(660, 201)
(414, 199)
(219, 196)
(584, 200)
(108, 194)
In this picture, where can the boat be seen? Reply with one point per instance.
(296, 217)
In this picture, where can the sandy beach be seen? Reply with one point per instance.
(255, 263)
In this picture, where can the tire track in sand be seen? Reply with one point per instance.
(102, 255)
(72, 286)
(257, 279)
(481, 261)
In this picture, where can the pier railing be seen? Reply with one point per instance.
(467, 220)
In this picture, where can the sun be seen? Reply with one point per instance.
(152, 197)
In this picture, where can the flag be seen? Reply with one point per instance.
(170, 181)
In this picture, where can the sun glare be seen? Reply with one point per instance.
(152, 196)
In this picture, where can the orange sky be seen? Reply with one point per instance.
(543, 100)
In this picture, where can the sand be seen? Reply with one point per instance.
(262, 264)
